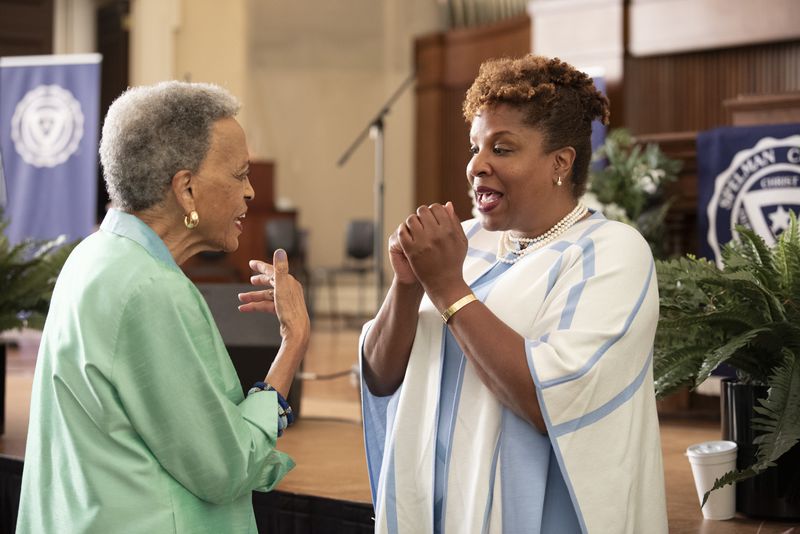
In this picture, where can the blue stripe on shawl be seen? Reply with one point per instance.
(568, 312)
(491, 257)
(561, 246)
(442, 375)
(609, 342)
(529, 346)
(593, 228)
(374, 411)
(449, 413)
(552, 276)
(378, 413)
(595, 415)
(588, 256)
(545, 337)
(473, 229)
(575, 292)
(391, 496)
(487, 511)
(482, 254)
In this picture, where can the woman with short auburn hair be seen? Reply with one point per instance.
(507, 378)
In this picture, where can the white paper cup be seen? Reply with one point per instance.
(710, 460)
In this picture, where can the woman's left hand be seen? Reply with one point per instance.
(283, 296)
(261, 300)
(435, 245)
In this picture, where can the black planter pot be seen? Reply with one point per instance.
(775, 493)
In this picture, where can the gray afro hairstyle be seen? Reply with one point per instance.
(152, 132)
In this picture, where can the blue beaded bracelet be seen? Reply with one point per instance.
(283, 422)
(281, 400)
(285, 414)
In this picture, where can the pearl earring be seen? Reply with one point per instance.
(558, 183)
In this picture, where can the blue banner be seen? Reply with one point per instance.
(2, 184)
(598, 128)
(49, 121)
(747, 175)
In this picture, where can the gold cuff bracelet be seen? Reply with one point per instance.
(457, 305)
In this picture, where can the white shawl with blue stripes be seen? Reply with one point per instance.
(587, 307)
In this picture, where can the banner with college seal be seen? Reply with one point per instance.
(749, 176)
(2, 184)
(49, 120)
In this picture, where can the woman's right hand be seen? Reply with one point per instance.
(402, 269)
(283, 296)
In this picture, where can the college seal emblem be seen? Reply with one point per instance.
(47, 126)
(758, 190)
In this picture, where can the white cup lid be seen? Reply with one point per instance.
(711, 448)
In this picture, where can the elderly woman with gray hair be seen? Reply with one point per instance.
(138, 422)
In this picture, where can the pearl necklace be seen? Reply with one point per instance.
(520, 246)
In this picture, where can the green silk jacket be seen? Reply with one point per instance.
(138, 422)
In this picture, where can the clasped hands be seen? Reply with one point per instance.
(429, 249)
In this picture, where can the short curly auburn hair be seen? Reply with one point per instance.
(557, 99)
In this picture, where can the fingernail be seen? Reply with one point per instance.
(280, 254)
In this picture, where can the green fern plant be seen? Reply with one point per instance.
(746, 315)
(28, 272)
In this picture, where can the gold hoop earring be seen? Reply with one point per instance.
(192, 220)
(558, 183)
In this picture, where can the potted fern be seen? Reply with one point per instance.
(746, 315)
(28, 272)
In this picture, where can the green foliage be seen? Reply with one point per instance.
(746, 315)
(631, 187)
(28, 273)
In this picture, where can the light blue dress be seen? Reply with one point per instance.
(535, 496)
(445, 455)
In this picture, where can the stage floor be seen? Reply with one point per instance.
(327, 443)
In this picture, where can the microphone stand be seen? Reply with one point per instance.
(375, 129)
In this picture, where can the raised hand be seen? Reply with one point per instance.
(282, 297)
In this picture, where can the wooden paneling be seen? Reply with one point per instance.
(446, 64)
(685, 92)
(26, 27)
(659, 27)
(747, 110)
(478, 12)
(112, 43)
